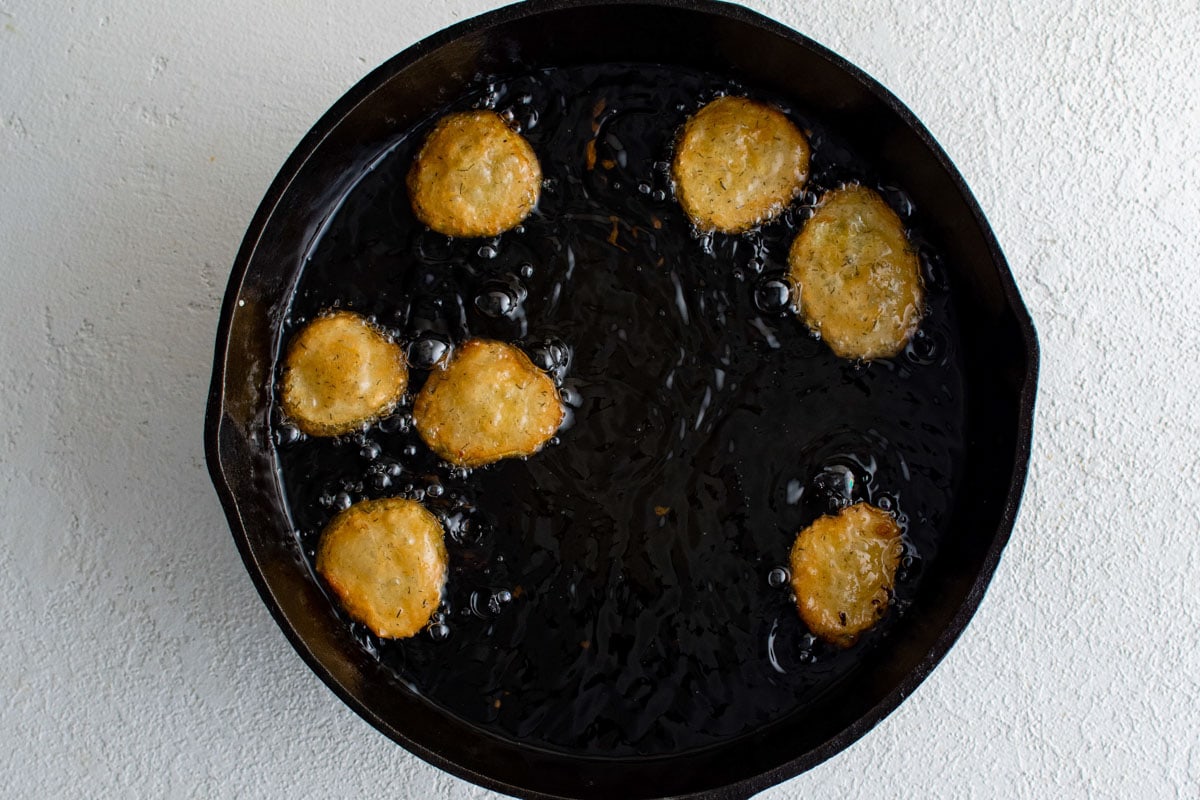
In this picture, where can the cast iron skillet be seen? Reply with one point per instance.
(997, 337)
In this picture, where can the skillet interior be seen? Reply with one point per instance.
(998, 341)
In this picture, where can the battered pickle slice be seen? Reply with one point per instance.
(490, 402)
(474, 176)
(856, 275)
(386, 562)
(843, 570)
(340, 372)
(738, 163)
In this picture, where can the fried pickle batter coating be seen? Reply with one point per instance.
(339, 372)
(738, 164)
(474, 176)
(843, 570)
(856, 275)
(490, 402)
(386, 562)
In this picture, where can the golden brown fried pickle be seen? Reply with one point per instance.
(386, 562)
(843, 570)
(490, 402)
(738, 164)
(856, 276)
(474, 176)
(340, 372)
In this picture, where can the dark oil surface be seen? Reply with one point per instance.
(622, 592)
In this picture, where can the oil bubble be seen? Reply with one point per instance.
(435, 490)
(370, 451)
(498, 600)
(439, 632)
(777, 577)
(498, 299)
(287, 434)
(550, 354)
(427, 351)
(923, 349)
(835, 485)
(396, 423)
(571, 396)
(771, 296)
(771, 656)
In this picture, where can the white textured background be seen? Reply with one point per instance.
(136, 659)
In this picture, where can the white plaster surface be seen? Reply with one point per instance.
(136, 140)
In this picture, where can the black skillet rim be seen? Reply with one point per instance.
(531, 8)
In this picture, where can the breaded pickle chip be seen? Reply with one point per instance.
(386, 562)
(843, 570)
(856, 275)
(738, 164)
(339, 372)
(474, 176)
(490, 402)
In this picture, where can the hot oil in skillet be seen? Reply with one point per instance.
(621, 592)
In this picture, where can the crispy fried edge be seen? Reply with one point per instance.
(843, 636)
(426, 403)
(797, 289)
(429, 211)
(294, 413)
(359, 604)
(684, 148)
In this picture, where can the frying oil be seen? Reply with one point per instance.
(624, 591)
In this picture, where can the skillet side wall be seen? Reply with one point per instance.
(998, 342)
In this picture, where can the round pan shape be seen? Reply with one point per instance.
(998, 341)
